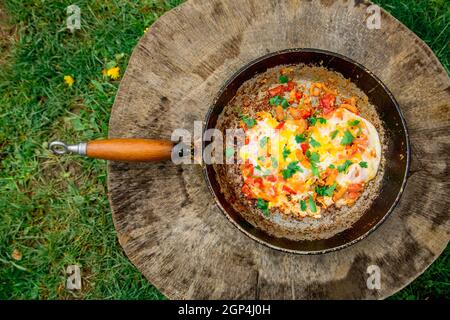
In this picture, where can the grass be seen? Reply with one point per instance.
(54, 211)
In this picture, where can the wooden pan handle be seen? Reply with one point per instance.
(130, 150)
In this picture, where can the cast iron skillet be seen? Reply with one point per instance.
(397, 153)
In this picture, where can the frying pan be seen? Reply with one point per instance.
(396, 152)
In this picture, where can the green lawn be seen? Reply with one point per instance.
(54, 211)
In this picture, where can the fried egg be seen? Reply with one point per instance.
(287, 165)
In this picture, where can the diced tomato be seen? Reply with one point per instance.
(271, 178)
(246, 191)
(327, 103)
(305, 113)
(247, 140)
(327, 110)
(355, 187)
(248, 167)
(288, 190)
(271, 192)
(305, 147)
(353, 195)
(298, 95)
(244, 126)
(295, 113)
(281, 125)
(289, 87)
(352, 150)
(276, 91)
(258, 182)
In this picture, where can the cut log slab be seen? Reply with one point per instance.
(165, 216)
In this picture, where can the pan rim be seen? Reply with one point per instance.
(407, 151)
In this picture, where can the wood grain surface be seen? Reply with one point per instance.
(165, 216)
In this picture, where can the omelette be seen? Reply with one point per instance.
(308, 151)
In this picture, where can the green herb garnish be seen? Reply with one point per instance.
(286, 152)
(315, 170)
(326, 190)
(334, 134)
(299, 138)
(312, 204)
(363, 164)
(250, 122)
(303, 205)
(291, 169)
(283, 79)
(347, 139)
(353, 123)
(312, 156)
(263, 205)
(344, 167)
(313, 120)
(331, 166)
(314, 143)
(278, 100)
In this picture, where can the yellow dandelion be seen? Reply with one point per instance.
(69, 80)
(113, 73)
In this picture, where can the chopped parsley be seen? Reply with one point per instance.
(314, 143)
(353, 123)
(363, 164)
(314, 169)
(263, 205)
(348, 138)
(331, 166)
(312, 204)
(326, 190)
(286, 152)
(291, 169)
(313, 120)
(263, 141)
(313, 156)
(261, 158)
(283, 79)
(250, 122)
(344, 167)
(303, 205)
(334, 134)
(299, 138)
(278, 100)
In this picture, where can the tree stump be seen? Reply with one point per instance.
(165, 216)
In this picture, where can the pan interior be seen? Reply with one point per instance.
(396, 151)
